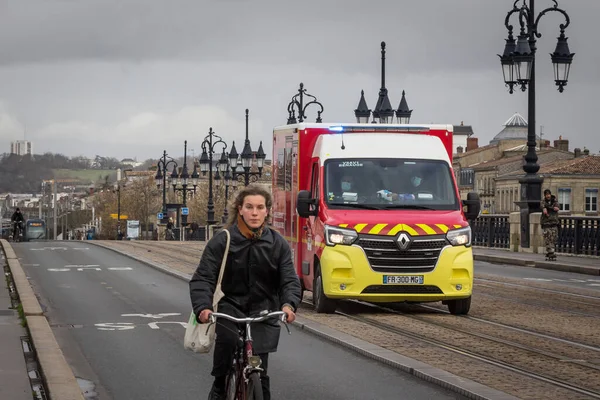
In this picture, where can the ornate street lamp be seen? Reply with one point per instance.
(298, 103)
(162, 179)
(403, 113)
(206, 166)
(518, 67)
(246, 157)
(383, 112)
(182, 180)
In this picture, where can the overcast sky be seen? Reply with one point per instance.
(129, 78)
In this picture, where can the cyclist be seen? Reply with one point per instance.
(259, 275)
(15, 219)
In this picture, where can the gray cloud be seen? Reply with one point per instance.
(95, 66)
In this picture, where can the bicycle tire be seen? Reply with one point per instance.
(254, 388)
(232, 388)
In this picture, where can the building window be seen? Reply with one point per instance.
(564, 199)
(591, 200)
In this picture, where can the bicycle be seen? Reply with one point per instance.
(18, 231)
(243, 382)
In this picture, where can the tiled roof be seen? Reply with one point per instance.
(477, 150)
(587, 165)
(495, 163)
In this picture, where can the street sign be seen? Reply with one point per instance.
(159, 216)
(185, 211)
(116, 216)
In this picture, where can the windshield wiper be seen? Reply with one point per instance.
(408, 206)
(356, 205)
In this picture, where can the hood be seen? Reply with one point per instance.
(390, 222)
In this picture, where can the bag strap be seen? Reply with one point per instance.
(224, 258)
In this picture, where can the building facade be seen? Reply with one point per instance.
(21, 147)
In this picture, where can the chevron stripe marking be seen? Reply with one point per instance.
(359, 227)
(377, 229)
(428, 230)
(410, 230)
(395, 230)
(442, 227)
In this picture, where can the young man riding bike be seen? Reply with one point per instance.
(259, 275)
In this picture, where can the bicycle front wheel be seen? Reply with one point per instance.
(233, 385)
(254, 388)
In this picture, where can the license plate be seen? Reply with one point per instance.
(395, 279)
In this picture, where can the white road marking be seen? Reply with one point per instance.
(58, 269)
(86, 268)
(81, 248)
(155, 316)
(120, 268)
(30, 265)
(154, 325)
(115, 326)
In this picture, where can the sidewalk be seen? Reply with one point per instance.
(14, 380)
(564, 262)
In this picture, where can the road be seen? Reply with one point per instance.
(556, 278)
(121, 323)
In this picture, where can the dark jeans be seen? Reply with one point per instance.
(225, 344)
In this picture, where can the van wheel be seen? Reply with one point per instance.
(460, 306)
(323, 305)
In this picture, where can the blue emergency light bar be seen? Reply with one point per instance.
(379, 129)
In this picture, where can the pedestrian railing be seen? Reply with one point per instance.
(491, 230)
(579, 235)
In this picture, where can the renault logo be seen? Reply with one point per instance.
(403, 241)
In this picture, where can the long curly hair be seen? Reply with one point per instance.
(250, 190)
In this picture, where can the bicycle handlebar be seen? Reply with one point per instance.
(215, 315)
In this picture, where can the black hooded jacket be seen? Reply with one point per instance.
(259, 275)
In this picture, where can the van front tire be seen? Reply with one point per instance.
(460, 306)
(323, 305)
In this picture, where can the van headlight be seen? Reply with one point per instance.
(334, 235)
(460, 237)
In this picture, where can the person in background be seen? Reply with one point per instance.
(550, 223)
(16, 218)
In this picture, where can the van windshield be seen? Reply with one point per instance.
(389, 184)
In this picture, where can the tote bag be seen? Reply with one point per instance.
(197, 338)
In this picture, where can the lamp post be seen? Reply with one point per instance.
(206, 165)
(117, 189)
(383, 109)
(181, 181)
(247, 157)
(298, 102)
(161, 178)
(518, 68)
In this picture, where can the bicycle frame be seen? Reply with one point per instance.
(247, 362)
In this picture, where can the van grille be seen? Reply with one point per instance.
(385, 255)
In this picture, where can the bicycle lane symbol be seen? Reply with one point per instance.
(125, 326)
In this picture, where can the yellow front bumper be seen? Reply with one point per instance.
(346, 274)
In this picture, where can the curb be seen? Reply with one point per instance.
(580, 269)
(465, 387)
(58, 376)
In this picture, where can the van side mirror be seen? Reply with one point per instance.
(306, 205)
(473, 205)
